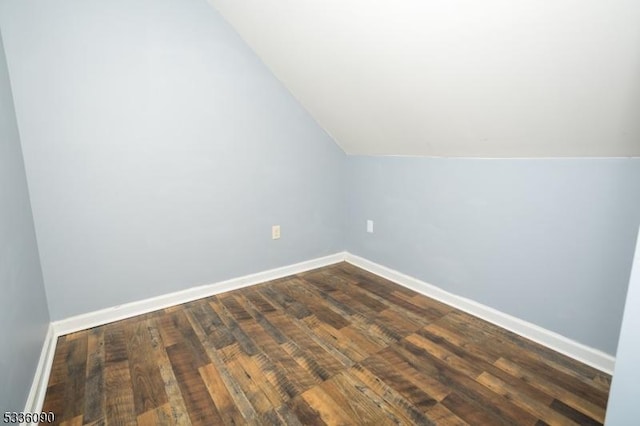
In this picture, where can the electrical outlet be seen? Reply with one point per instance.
(370, 226)
(275, 232)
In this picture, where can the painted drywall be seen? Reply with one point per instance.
(24, 317)
(462, 78)
(547, 241)
(160, 151)
(623, 408)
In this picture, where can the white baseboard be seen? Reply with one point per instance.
(128, 310)
(590, 356)
(35, 399)
(597, 359)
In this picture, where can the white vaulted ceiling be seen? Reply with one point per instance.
(462, 78)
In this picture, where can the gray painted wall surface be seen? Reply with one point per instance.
(623, 408)
(160, 151)
(547, 241)
(24, 317)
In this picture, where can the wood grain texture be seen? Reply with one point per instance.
(336, 345)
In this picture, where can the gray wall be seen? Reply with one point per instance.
(24, 317)
(623, 408)
(160, 151)
(547, 241)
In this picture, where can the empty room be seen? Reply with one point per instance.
(268, 212)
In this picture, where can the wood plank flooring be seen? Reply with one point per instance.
(336, 345)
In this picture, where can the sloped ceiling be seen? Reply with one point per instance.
(461, 78)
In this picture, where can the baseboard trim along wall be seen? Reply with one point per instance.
(128, 310)
(73, 324)
(583, 353)
(35, 399)
(593, 357)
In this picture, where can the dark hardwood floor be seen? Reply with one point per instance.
(336, 345)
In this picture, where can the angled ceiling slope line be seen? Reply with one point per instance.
(457, 78)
